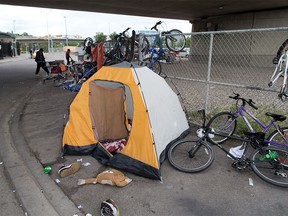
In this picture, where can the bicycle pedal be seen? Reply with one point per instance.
(281, 174)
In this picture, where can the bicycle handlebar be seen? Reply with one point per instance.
(250, 102)
(122, 33)
(155, 26)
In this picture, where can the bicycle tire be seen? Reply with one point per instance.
(275, 136)
(280, 51)
(179, 41)
(132, 46)
(180, 159)
(155, 66)
(273, 171)
(219, 123)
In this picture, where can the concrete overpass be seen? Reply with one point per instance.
(192, 10)
(43, 39)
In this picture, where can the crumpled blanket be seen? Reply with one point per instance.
(115, 145)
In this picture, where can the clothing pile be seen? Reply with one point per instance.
(115, 145)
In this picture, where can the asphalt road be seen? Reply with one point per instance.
(35, 115)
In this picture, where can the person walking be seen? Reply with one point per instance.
(31, 53)
(40, 60)
(68, 57)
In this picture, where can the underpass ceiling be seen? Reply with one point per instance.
(173, 9)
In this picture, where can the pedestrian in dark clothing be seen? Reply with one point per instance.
(31, 54)
(68, 57)
(40, 59)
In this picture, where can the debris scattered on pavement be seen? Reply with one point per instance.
(250, 182)
(57, 181)
(80, 206)
(86, 164)
(88, 214)
(1, 162)
(79, 160)
(47, 169)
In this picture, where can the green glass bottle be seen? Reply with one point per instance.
(47, 169)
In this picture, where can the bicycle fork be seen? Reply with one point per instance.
(195, 149)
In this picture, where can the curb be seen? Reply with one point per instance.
(36, 191)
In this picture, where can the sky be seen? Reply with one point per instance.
(40, 21)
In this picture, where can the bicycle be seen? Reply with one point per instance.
(225, 123)
(175, 41)
(281, 70)
(267, 162)
(123, 49)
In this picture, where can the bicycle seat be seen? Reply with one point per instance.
(276, 117)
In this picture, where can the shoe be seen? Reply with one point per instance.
(109, 208)
(68, 169)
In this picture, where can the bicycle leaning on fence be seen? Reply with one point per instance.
(281, 70)
(225, 123)
(175, 41)
(195, 155)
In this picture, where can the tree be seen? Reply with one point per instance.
(100, 37)
(25, 34)
(188, 41)
(112, 36)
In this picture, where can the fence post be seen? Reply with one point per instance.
(209, 72)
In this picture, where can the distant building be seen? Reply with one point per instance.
(8, 45)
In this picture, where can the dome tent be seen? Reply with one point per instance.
(103, 108)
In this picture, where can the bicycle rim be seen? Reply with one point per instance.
(223, 125)
(175, 42)
(273, 171)
(156, 67)
(180, 159)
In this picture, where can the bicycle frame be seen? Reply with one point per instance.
(281, 70)
(154, 52)
(241, 111)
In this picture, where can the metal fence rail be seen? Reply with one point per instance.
(224, 62)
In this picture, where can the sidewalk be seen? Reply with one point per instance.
(8, 59)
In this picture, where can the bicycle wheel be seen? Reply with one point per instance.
(282, 49)
(272, 169)
(156, 67)
(175, 42)
(129, 54)
(223, 124)
(190, 156)
(281, 138)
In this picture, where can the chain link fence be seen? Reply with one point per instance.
(224, 62)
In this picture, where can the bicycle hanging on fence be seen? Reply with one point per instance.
(175, 41)
(123, 49)
(281, 70)
(195, 155)
(225, 123)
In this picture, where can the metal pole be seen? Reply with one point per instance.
(209, 72)
(14, 27)
(66, 31)
(48, 33)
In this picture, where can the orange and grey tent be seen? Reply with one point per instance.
(114, 96)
